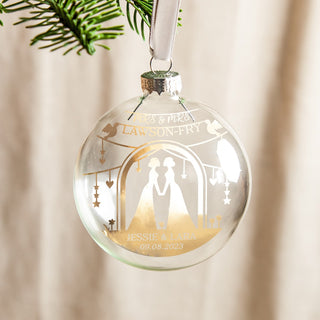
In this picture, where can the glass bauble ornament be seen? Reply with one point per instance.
(161, 182)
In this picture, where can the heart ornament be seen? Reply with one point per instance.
(109, 183)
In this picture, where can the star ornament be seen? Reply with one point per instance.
(227, 201)
(96, 204)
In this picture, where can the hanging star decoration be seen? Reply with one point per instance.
(102, 152)
(110, 131)
(96, 203)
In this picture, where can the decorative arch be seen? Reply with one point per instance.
(135, 155)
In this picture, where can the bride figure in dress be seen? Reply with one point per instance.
(144, 217)
(178, 217)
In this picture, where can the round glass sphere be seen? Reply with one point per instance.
(161, 182)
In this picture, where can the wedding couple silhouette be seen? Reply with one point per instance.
(146, 216)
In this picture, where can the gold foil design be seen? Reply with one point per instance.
(141, 229)
(96, 203)
(180, 236)
(151, 149)
(102, 152)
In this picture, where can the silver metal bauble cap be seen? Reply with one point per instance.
(161, 81)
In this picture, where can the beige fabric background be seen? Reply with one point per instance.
(258, 64)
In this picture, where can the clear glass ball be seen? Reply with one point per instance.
(161, 182)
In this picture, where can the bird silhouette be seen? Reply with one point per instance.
(110, 129)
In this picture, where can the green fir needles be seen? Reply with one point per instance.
(142, 8)
(79, 24)
(1, 11)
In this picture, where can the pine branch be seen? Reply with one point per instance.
(70, 24)
(143, 8)
(1, 11)
(79, 24)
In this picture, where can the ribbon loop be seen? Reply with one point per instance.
(163, 28)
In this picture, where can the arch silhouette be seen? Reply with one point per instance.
(154, 146)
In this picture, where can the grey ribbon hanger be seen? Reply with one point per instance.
(163, 28)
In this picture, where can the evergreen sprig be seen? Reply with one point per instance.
(142, 8)
(1, 11)
(79, 24)
(70, 24)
